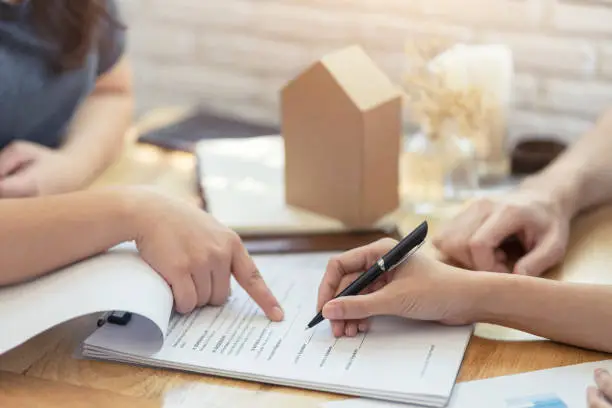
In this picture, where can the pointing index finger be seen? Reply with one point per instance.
(248, 276)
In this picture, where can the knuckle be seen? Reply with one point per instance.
(557, 249)
(185, 305)
(334, 265)
(211, 258)
(234, 239)
(218, 300)
(182, 265)
(513, 211)
(333, 262)
(254, 277)
(476, 244)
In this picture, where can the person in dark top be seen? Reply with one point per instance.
(65, 93)
(65, 104)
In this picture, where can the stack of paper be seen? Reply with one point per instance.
(398, 360)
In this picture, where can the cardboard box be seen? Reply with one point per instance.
(341, 123)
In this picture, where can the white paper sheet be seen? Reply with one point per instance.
(238, 171)
(117, 280)
(419, 361)
(562, 387)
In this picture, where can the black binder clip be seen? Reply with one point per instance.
(118, 318)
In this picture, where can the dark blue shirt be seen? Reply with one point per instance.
(36, 102)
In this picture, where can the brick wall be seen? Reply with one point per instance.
(234, 55)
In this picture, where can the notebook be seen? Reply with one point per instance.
(199, 125)
(242, 182)
(420, 360)
(560, 387)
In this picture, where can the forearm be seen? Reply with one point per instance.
(41, 234)
(96, 134)
(582, 176)
(571, 313)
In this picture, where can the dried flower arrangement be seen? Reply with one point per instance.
(436, 106)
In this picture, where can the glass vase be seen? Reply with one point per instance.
(491, 154)
(437, 172)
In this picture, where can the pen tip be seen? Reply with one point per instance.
(306, 329)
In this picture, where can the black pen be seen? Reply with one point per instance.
(387, 262)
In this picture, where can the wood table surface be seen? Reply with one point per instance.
(44, 372)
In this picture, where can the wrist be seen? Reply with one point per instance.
(561, 188)
(129, 211)
(79, 168)
(489, 295)
(69, 173)
(508, 299)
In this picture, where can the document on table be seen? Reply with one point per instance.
(116, 280)
(561, 387)
(416, 362)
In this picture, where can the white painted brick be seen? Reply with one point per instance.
(526, 90)
(391, 63)
(303, 23)
(402, 7)
(547, 54)
(166, 41)
(236, 54)
(387, 32)
(149, 98)
(582, 18)
(255, 54)
(577, 97)
(606, 60)
(560, 126)
(207, 13)
(131, 10)
(206, 81)
(490, 13)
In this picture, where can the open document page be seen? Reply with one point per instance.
(397, 360)
(116, 280)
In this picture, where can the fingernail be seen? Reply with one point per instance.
(600, 372)
(277, 314)
(363, 327)
(520, 270)
(332, 311)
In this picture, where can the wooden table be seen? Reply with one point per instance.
(43, 373)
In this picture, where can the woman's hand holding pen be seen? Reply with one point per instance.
(421, 288)
(196, 255)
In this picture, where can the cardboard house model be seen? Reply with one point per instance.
(341, 124)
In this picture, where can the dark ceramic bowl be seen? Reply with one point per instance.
(533, 153)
